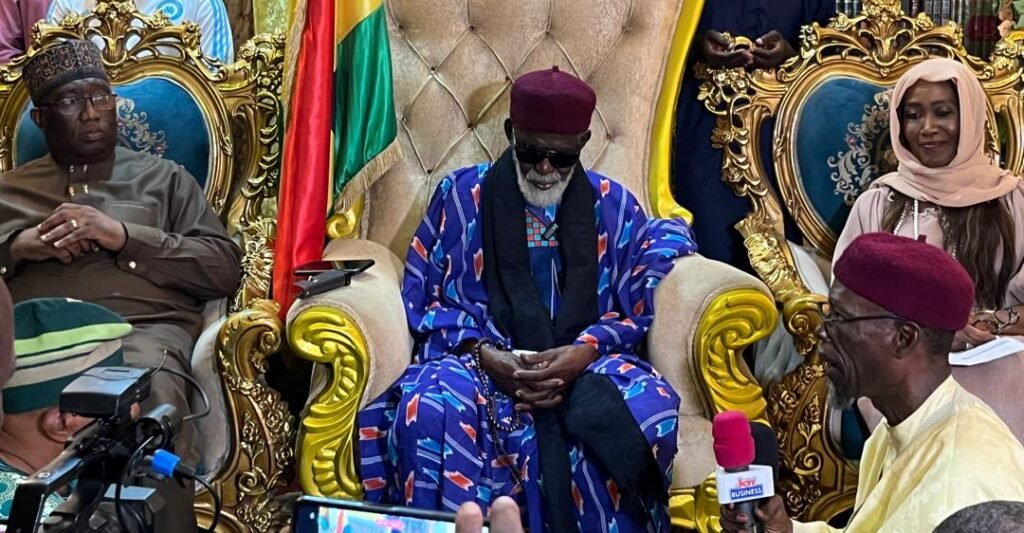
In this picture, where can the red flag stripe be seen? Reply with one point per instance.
(305, 168)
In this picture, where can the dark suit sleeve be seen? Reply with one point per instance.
(194, 254)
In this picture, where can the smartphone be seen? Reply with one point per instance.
(321, 515)
(353, 266)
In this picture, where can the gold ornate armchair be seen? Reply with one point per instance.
(220, 122)
(831, 139)
(453, 66)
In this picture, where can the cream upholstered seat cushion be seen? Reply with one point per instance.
(454, 62)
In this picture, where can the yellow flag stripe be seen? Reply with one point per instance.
(349, 13)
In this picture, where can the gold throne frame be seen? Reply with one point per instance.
(877, 46)
(241, 103)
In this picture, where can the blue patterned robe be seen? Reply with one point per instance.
(427, 441)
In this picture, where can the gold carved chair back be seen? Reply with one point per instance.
(221, 123)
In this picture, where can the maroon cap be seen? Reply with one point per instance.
(910, 278)
(551, 101)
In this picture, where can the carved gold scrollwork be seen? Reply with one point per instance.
(257, 263)
(345, 224)
(328, 336)
(261, 461)
(696, 508)
(730, 323)
(727, 94)
(262, 62)
(816, 482)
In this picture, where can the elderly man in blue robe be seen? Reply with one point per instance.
(529, 288)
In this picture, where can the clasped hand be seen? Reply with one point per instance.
(72, 231)
(769, 51)
(537, 381)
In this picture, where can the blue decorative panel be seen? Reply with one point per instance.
(842, 145)
(155, 115)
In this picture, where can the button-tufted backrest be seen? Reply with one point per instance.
(454, 62)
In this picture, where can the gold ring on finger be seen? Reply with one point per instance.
(74, 223)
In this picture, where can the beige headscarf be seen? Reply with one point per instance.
(972, 177)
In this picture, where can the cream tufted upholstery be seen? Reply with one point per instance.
(454, 62)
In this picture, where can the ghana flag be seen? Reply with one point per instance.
(341, 132)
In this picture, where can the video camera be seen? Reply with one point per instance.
(101, 455)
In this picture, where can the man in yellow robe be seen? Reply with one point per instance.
(893, 310)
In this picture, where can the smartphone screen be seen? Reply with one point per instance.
(317, 515)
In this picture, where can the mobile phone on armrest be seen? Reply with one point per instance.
(355, 266)
(324, 276)
(321, 515)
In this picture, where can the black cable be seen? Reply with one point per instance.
(195, 383)
(216, 502)
(136, 455)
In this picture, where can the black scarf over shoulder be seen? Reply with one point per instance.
(592, 411)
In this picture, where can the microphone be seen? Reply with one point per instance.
(747, 455)
(550, 231)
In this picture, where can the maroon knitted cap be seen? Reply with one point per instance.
(910, 278)
(551, 101)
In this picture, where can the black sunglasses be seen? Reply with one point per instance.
(531, 155)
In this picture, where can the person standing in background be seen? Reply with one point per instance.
(16, 20)
(17, 17)
(697, 167)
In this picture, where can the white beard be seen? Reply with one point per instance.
(540, 197)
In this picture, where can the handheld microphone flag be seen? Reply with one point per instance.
(739, 481)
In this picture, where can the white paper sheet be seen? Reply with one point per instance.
(990, 351)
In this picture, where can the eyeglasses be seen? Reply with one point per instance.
(74, 106)
(531, 155)
(997, 320)
(828, 318)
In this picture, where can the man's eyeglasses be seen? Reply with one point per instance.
(74, 106)
(997, 320)
(531, 155)
(830, 319)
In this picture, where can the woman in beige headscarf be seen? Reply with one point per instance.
(950, 192)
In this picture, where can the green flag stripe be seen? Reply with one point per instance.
(364, 106)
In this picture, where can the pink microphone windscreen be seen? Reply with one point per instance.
(734, 447)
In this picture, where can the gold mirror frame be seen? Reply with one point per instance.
(876, 46)
(241, 103)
